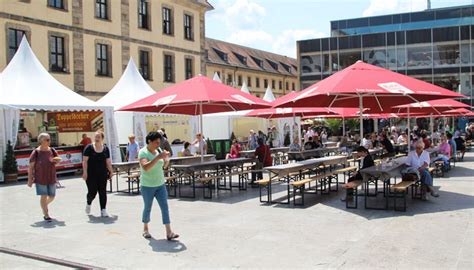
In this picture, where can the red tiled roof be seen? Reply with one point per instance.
(216, 49)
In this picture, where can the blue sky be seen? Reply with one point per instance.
(275, 25)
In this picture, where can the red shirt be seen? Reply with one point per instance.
(45, 168)
(427, 143)
(86, 141)
(264, 155)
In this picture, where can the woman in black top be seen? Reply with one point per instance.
(97, 168)
(387, 144)
(367, 161)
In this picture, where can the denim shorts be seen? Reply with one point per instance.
(46, 190)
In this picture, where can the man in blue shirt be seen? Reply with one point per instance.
(132, 149)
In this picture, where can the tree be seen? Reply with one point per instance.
(334, 125)
(9, 163)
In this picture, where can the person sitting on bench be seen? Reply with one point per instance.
(444, 151)
(367, 161)
(388, 146)
(418, 162)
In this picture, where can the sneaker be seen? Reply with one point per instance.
(103, 213)
(434, 193)
(88, 209)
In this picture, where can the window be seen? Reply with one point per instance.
(446, 54)
(348, 58)
(56, 3)
(101, 9)
(249, 81)
(144, 64)
(273, 84)
(57, 57)
(169, 68)
(287, 86)
(257, 82)
(167, 21)
(239, 80)
(265, 83)
(14, 40)
(102, 63)
(293, 86)
(419, 56)
(188, 27)
(189, 68)
(143, 19)
(230, 80)
(280, 84)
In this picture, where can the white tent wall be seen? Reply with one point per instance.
(27, 85)
(294, 130)
(217, 127)
(9, 121)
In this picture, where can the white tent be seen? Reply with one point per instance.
(269, 95)
(216, 77)
(245, 88)
(129, 88)
(27, 85)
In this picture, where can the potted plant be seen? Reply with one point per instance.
(10, 167)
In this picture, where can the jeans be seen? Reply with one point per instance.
(425, 177)
(443, 158)
(161, 196)
(46, 190)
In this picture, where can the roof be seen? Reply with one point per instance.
(27, 85)
(129, 88)
(224, 53)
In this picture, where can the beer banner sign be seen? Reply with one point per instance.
(75, 121)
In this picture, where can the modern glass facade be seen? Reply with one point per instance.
(433, 45)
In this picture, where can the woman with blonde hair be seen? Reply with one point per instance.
(42, 172)
(97, 169)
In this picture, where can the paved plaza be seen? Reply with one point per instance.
(234, 230)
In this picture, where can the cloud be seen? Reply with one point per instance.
(243, 20)
(382, 7)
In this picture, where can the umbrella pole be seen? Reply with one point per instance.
(409, 130)
(431, 126)
(201, 145)
(361, 124)
(343, 127)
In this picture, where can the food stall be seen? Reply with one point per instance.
(42, 104)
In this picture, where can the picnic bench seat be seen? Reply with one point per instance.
(132, 179)
(322, 180)
(354, 185)
(401, 191)
(345, 171)
(400, 155)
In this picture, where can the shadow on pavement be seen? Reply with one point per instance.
(163, 245)
(102, 220)
(48, 225)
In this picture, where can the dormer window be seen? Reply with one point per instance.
(258, 62)
(222, 55)
(241, 58)
(273, 65)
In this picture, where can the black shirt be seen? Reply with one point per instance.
(387, 144)
(97, 165)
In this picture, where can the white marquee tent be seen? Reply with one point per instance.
(129, 88)
(27, 85)
(269, 95)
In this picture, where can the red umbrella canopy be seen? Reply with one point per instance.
(187, 98)
(288, 112)
(431, 106)
(377, 88)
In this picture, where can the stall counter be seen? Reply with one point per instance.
(71, 160)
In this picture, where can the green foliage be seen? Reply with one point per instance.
(352, 124)
(9, 163)
(334, 124)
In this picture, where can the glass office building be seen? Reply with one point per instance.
(433, 45)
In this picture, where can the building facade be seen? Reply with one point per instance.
(434, 45)
(86, 45)
(237, 64)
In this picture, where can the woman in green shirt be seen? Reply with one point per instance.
(152, 180)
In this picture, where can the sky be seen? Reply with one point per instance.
(276, 25)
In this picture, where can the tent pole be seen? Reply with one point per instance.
(361, 124)
(431, 126)
(201, 145)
